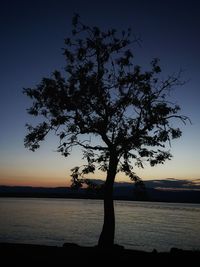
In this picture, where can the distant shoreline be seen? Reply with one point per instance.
(124, 192)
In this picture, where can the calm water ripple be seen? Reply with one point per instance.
(139, 225)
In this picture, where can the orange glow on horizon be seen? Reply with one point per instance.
(35, 182)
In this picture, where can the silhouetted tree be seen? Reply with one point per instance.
(103, 96)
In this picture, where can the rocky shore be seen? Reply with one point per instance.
(75, 255)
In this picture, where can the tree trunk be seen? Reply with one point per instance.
(106, 238)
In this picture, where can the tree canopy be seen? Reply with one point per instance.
(104, 93)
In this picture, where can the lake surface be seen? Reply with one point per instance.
(139, 225)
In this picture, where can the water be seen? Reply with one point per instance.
(139, 225)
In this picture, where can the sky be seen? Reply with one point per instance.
(32, 37)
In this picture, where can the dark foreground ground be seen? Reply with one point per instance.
(74, 255)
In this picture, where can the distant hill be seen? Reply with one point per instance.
(167, 190)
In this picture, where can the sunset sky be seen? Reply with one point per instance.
(32, 35)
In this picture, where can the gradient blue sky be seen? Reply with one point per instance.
(32, 34)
